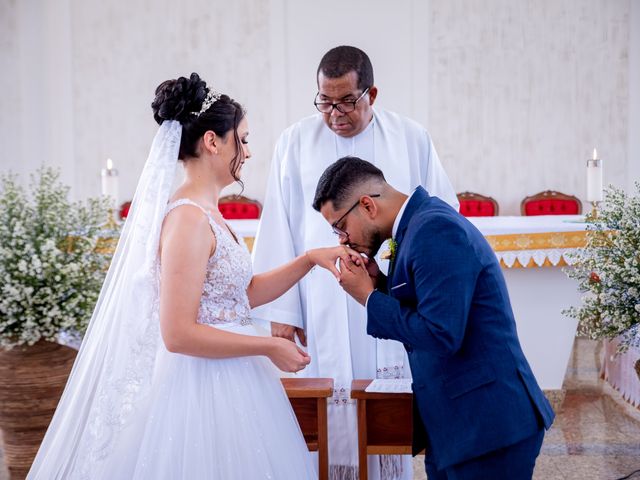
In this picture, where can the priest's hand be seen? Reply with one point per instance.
(356, 280)
(289, 332)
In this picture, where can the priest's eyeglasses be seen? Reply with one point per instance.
(334, 225)
(342, 107)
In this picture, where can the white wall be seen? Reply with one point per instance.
(108, 59)
(526, 90)
(633, 135)
(514, 93)
(10, 104)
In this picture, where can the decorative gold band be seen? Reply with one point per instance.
(537, 241)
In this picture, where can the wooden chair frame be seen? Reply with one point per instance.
(479, 198)
(549, 195)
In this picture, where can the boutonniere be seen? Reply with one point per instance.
(390, 254)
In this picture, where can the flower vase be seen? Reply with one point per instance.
(32, 379)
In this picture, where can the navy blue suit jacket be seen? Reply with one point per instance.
(447, 301)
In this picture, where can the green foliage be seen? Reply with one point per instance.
(50, 269)
(608, 270)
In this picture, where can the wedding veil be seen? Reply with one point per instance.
(111, 377)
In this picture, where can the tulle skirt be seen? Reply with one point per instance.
(227, 419)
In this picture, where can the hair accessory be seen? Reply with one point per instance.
(210, 99)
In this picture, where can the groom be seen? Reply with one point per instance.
(481, 412)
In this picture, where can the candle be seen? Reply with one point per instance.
(110, 183)
(594, 178)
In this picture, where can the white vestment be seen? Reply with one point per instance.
(335, 323)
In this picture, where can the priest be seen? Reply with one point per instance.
(317, 311)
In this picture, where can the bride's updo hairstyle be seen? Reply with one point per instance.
(198, 109)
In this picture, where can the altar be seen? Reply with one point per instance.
(532, 252)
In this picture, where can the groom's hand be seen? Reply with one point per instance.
(289, 332)
(372, 268)
(356, 280)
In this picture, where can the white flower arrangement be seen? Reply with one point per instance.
(608, 269)
(50, 269)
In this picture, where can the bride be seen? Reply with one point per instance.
(172, 380)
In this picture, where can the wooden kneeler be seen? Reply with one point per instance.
(385, 423)
(308, 397)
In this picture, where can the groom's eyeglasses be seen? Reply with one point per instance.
(334, 225)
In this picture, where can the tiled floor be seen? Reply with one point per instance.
(596, 435)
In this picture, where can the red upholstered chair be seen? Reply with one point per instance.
(235, 207)
(476, 205)
(551, 202)
(124, 210)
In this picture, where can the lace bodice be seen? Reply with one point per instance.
(224, 294)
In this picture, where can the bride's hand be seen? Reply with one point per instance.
(287, 356)
(327, 257)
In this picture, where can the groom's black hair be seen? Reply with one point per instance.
(337, 183)
(344, 59)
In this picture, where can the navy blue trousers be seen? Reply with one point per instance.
(515, 462)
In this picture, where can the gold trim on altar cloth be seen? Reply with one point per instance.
(523, 242)
(537, 241)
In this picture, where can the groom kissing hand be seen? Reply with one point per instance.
(481, 413)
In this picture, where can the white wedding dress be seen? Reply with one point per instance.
(133, 410)
(227, 419)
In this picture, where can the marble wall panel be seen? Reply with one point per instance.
(521, 92)
(514, 93)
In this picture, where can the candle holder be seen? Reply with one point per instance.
(109, 236)
(112, 223)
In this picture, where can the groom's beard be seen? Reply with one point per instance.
(376, 242)
(372, 242)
